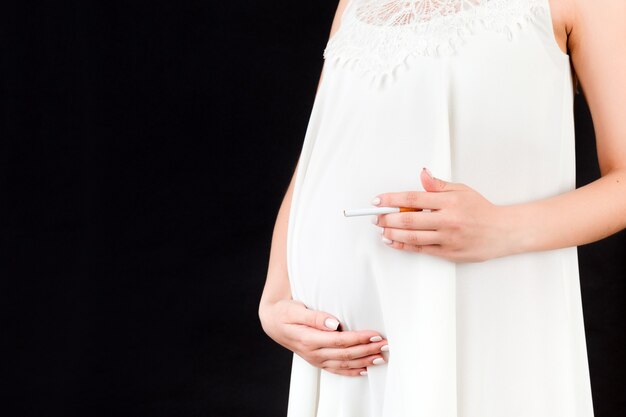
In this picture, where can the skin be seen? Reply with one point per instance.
(467, 228)
(462, 225)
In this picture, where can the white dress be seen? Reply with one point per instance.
(480, 93)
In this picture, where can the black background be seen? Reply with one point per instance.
(145, 150)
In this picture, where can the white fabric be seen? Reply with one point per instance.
(378, 35)
(500, 338)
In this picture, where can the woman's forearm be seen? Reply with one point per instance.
(277, 280)
(584, 215)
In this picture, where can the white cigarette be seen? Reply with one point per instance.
(369, 211)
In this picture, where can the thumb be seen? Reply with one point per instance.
(300, 314)
(431, 183)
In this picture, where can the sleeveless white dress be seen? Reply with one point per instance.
(480, 93)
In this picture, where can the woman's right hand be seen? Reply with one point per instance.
(314, 336)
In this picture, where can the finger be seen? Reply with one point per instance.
(431, 183)
(411, 237)
(354, 364)
(348, 372)
(414, 199)
(298, 313)
(434, 250)
(354, 352)
(318, 339)
(416, 220)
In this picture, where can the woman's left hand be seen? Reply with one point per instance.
(462, 225)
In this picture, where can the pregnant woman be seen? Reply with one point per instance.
(469, 305)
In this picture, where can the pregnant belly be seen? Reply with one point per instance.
(339, 264)
(331, 258)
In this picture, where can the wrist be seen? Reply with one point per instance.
(517, 230)
(265, 308)
(269, 312)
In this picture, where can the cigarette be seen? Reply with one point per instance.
(376, 210)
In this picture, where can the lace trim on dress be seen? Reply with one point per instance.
(376, 36)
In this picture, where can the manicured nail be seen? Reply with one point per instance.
(378, 361)
(428, 172)
(387, 241)
(376, 201)
(375, 339)
(331, 323)
(363, 373)
(385, 348)
(375, 220)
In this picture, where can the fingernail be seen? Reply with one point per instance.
(387, 241)
(375, 339)
(385, 348)
(376, 201)
(331, 323)
(428, 172)
(375, 220)
(382, 230)
(378, 361)
(363, 373)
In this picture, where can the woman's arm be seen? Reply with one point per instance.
(467, 228)
(598, 50)
(277, 283)
(309, 333)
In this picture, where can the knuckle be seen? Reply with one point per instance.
(413, 238)
(345, 355)
(344, 365)
(454, 222)
(412, 198)
(306, 341)
(339, 341)
(311, 318)
(374, 350)
(411, 248)
(365, 362)
(406, 219)
(459, 223)
(451, 241)
(308, 359)
(314, 356)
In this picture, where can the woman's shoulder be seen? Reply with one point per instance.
(602, 18)
(562, 20)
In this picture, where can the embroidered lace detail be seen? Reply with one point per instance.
(376, 36)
